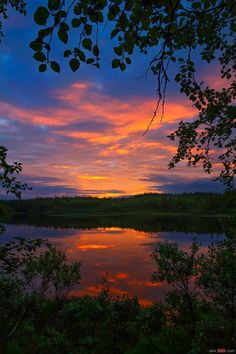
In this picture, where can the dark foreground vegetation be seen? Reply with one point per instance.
(38, 315)
(197, 203)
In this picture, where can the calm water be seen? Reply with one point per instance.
(120, 255)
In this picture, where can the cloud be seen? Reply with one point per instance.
(41, 180)
(80, 103)
(92, 143)
(93, 125)
(180, 184)
(192, 186)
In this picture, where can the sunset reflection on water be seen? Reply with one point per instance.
(119, 258)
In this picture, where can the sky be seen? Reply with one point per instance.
(82, 133)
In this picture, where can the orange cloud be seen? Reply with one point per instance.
(107, 161)
(92, 178)
(93, 247)
(85, 99)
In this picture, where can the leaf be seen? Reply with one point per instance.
(41, 15)
(111, 16)
(128, 60)
(67, 53)
(75, 22)
(87, 43)
(74, 64)
(96, 51)
(42, 68)
(83, 19)
(122, 66)
(55, 66)
(99, 16)
(114, 33)
(40, 56)
(81, 55)
(90, 61)
(61, 14)
(93, 17)
(64, 26)
(88, 29)
(113, 11)
(130, 48)
(63, 35)
(54, 4)
(115, 63)
(118, 50)
(44, 32)
(178, 77)
(77, 10)
(36, 45)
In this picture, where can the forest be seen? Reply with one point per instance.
(187, 203)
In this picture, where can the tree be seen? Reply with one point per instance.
(8, 181)
(30, 271)
(18, 5)
(8, 174)
(181, 269)
(218, 281)
(179, 31)
(203, 294)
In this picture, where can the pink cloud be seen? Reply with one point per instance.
(116, 158)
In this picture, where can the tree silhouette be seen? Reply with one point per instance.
(8, 175)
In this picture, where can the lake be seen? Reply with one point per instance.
(115, 252)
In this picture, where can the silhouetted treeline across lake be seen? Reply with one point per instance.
(196, 212)
(197, 203)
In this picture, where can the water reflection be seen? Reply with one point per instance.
(122, 256)
(139, 222)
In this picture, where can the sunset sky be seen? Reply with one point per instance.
(82, 133)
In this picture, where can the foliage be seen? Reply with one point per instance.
(30, 271)
(177, 267)
(18, 5)
(103, 324)
(8, 174)
(203, 292)
(218, 281)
